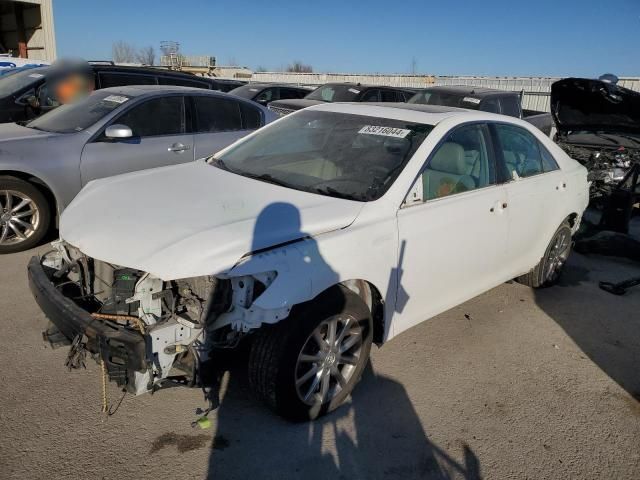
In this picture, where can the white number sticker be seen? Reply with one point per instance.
(116, 98)
(36, 75)
(353, 90)
(471, 100)
(385, 131)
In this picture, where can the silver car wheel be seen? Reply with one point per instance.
(19, 217)
(558, 254)
(328, 359)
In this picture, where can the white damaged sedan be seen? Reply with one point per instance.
(336, 227)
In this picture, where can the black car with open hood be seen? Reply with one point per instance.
(581, 104)
(598, 124)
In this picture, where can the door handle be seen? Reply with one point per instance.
(178, 147)
(499, 205)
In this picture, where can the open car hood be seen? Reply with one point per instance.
(193, 219)
(581, 104)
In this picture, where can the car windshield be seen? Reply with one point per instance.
(75, 117)
(10, 84)
(335, 93)
(246, 91)
(447, 99)
(340, 155)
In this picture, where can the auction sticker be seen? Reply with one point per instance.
(36, 75)
(116, 98)
(353, 90)
(385, 131)
(471, 100)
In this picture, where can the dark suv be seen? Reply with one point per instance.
(343, 92)
(27, 94)
(265, 93)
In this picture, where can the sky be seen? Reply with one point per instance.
(492, 37)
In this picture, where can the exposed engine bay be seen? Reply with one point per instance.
(598, 125)
(607, 165)
(181, 321)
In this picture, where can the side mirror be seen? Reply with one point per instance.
(118, 131)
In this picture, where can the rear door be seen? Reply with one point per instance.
(159, 139)
(218, 122)
(535, 187)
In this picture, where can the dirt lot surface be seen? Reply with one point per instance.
(512, 384)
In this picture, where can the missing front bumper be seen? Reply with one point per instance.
(123, 351)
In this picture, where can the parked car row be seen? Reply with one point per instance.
(264, 232)
(31, 92)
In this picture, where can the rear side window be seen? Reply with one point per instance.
(490, 105)
(510, 106)
(549, 163)
(158, 116)
(372, 95)
(520, 151)
(292, 93)
(217, 114)
(389, 96)
(251, 116)
(122, 79)
(182, 82)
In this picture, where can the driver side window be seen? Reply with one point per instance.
(155, 117)
(461, 163)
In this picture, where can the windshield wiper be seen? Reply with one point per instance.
(265, 177)
(332, 192)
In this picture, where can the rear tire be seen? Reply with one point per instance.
(296, 367)
(548, 270)
(25, 215)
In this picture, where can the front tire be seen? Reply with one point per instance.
(307, 365)
(25, 215)
(548, 270)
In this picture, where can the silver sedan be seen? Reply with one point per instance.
(45, 163)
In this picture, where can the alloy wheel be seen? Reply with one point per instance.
(558, 254)
(329, 359)
(19, 217)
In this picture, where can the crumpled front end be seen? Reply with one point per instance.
(147, 332)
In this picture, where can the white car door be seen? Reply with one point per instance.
(159, 139)
(535, 187)
(218, 122)
(452, 228)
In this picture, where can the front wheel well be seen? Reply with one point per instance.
(371, 296)
(38, 183)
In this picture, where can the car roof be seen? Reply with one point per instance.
(426, 114)
(139, 90)
(469, 90)
(364, 87)
(141, 69)
(266, 85)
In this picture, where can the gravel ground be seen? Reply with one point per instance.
(512, 384)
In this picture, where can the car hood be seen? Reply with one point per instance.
(193, 219)
(580, 104)
(13, 131)
(296, 104)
